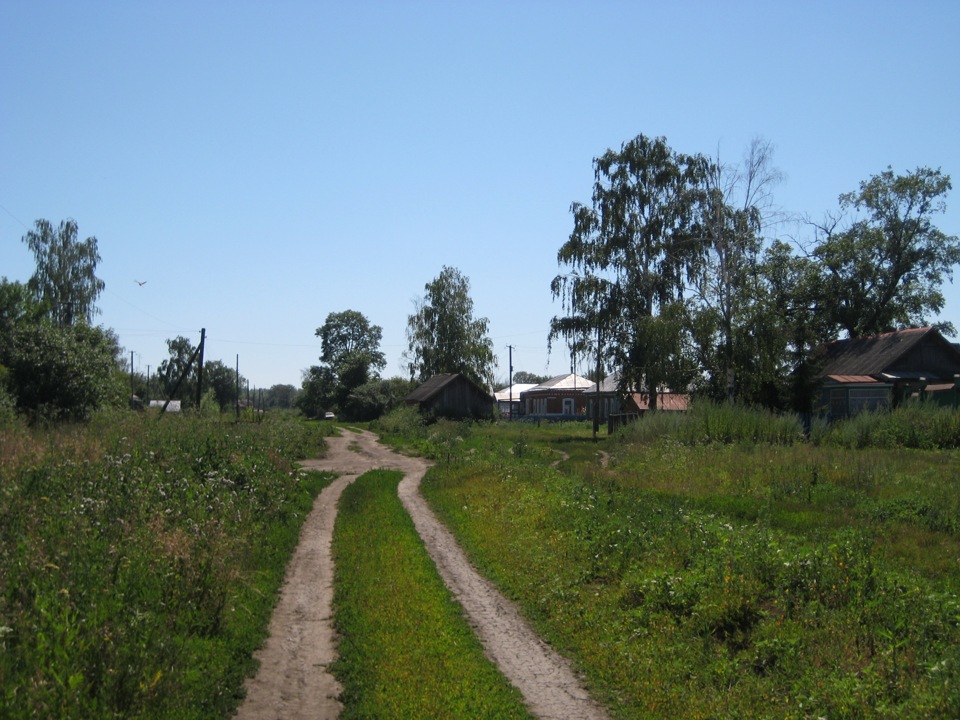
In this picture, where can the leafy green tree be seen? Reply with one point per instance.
(444, 337)
(884, 270)
(627, 261)
(317, 391)
(17, 308)
(222, 381)
(64, 372)
(281, 396)
(725, 287)
(351, 352)
(170, 371)
(65, 279)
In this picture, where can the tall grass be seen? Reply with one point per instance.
(139, 561)
(405, 650)
(725, 579)
(710, 422)
(921, 425)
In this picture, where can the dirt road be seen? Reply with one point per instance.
(293, 681)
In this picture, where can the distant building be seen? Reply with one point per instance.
(559, 398)
(508, 399)
(881, 371)
(452, 395)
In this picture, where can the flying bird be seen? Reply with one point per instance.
(140, 283)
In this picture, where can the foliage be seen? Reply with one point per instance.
(406, 650)
(729, 323)
(177, 369)
(376, 397)
(350, 357)
(317, 391)
(443, 335)
(281, 396)
(722, 580)
(402, 427)
(139, 561)
(884, 271)
(65, 279)
(710, 422)
(222, 381)
(921, 425)
(629, 255)
(64, 372)
(522, 376)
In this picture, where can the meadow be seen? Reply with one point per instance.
(721, 564)
(140, 559)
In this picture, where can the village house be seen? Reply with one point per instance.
(881, 371)
(560, 398)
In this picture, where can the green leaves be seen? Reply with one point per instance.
(65, 280)
(443, 335)
(884, 270)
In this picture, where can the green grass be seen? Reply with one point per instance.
(140, 558)
(691, 578)
(405, 649)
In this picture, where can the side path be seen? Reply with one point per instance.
(293, 682)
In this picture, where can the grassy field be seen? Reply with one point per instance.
(716, 565)
(139, 560)
(405, 651)
(693, 578)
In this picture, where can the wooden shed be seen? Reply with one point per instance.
(880, 371)
(452, 395)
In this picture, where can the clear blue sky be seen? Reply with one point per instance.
(262, 164)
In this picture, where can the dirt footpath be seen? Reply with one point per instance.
(293, 681)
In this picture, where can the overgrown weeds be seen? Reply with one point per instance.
(717, 574)
(139, 560)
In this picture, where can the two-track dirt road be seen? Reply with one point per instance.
(293, 681)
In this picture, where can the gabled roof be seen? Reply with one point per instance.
(517, 388)
(432, 387)
(871, 355)
(563, 382)
(610, 384)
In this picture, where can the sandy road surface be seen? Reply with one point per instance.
(293, 682)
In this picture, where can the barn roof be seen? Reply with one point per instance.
(871, 355)
(433, 386)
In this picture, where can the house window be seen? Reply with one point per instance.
(868, 399)
(568, 406)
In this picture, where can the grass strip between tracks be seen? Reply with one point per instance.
(405, 648)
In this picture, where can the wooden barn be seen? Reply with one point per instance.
(881, 371)
(452, 395)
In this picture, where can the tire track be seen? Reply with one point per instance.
(293, 681)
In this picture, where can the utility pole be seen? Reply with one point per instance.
(510, 365)
(203, 336)
(131, 378)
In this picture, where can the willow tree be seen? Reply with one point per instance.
(627, 261)
(444, 337)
